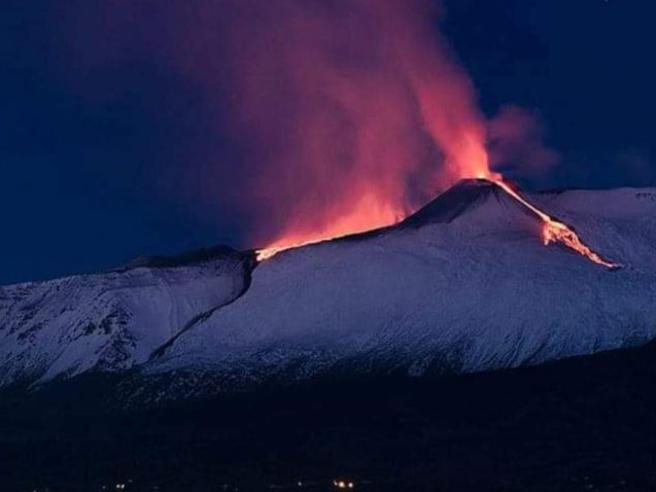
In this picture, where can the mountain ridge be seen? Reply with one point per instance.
(464, 285)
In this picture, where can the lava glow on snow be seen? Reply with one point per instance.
(554, 231)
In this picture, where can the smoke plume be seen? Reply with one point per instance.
(354, 112)
(346, 114)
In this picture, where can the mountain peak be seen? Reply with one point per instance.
(465, 195)
(474, 183)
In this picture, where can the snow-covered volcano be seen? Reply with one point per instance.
(463, 285)
(111, 321)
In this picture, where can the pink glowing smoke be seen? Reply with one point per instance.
(347, 114)
(356, 110)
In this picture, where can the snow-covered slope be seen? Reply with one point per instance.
(110, 321)
(465, 284)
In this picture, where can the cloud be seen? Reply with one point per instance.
(516, 143)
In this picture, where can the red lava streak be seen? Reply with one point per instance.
(554, 231)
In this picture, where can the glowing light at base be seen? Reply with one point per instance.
(369, 212)
(271, 251)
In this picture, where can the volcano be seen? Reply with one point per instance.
(466, 284)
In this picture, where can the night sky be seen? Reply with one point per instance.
(102, 160)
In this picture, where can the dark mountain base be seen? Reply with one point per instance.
(582, 424)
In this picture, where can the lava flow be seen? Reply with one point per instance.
(554, 231)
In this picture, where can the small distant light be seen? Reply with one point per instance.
(299, 483)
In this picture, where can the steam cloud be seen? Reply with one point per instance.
(515, 143)
(348, 114)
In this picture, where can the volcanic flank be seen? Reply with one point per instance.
(463, 285)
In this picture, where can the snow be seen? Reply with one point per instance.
(107, 322)
(464, 285)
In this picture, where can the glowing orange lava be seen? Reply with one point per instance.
(554, 231)
(369, 213)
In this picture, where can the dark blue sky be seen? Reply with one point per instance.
(87, 182)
